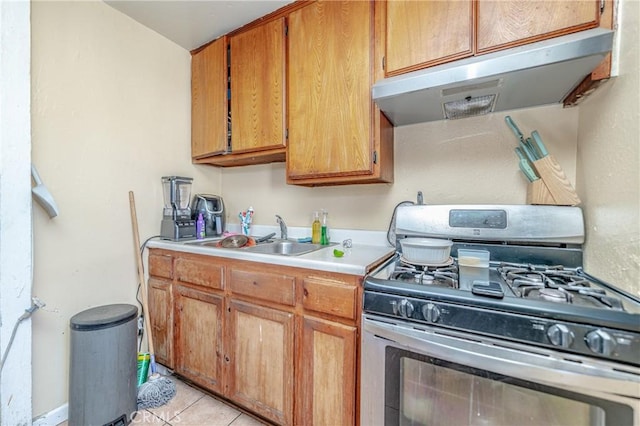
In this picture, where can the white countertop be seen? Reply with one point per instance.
(369, 248)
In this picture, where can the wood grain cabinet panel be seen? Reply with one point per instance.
(198, 337)
(504, 23)
(209, 100)
(327, 379)
(160, 265)
(263, 285)
(423, 33)
(330, 297)
(277, 340)
(258, 88)
(261, 360)
(161, 319)
(200, 271)
(334, 128)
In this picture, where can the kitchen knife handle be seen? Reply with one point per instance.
(528, 171)
(541, 147)
(514, 128)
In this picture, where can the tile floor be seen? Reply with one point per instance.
(191, 406)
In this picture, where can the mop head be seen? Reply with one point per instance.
(155, 392)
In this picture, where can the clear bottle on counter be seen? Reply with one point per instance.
(324, 228)
(316, 228)
(200, 231)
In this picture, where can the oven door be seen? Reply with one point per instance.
(421, 375)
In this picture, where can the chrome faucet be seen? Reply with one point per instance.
(283, 227)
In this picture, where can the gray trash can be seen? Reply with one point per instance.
(103, 366)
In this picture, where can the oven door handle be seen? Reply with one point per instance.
(588, 376)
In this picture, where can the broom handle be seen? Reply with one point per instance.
(143, 284)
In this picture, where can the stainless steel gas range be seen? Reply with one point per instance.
(530, 339)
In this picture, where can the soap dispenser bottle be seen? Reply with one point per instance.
(324, 228)
(200, 231)
(315, 228)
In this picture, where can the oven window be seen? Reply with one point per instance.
(424, 391)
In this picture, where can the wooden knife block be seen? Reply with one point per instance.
(553, 187)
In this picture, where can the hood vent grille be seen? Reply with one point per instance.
(536, 74)
(469, 107)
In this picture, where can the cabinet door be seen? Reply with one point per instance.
(257, 88)
(261, 360)
(424, 33)
(209, 100)
(161, 319)
(327, 374)
(198, 337)
(504, 23)
(330, 108)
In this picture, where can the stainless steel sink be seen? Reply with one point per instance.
(285, 248)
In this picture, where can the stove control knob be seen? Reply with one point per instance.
(560, 335)
(406, 308)
(431, 312)
(600, 342)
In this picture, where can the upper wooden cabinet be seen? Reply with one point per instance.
(257, 88)
(507, 23)
(420, 33)
(244, 75)
(209, 100)
(336, 134)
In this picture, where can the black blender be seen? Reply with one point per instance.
(177, 223)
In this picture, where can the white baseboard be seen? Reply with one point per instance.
(53, 417)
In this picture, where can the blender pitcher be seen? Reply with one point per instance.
(176, 215)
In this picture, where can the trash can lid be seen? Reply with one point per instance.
(103, 317)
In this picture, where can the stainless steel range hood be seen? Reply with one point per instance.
(541, 73)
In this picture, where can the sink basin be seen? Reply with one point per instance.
(285, 248)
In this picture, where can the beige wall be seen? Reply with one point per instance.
(609, 164)
(111, 113)
(460, 161)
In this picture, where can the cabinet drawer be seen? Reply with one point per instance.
(329, 297)
(160, 265)
(262, 285)
(200, 272)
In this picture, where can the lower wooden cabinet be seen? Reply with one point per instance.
(279, 341)
(161, 319)
(261, 360)
(159, 292)
(327, 380)
(198, 336)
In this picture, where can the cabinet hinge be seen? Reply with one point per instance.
(286, 134)
(602, 5)
(286, 30)
(384, 63)
(375, 157)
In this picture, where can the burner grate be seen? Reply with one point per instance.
(440, 276)
(555, 284)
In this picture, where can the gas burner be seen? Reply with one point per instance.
(553, 295)
(555, 284)
(441, 276)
